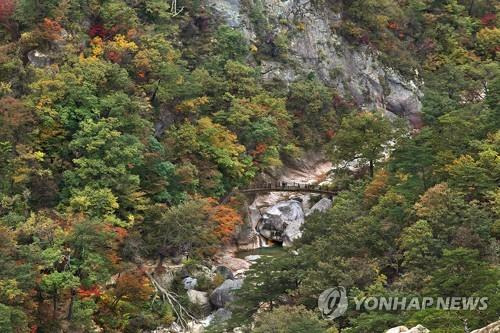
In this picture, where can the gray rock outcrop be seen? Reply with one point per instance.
(418, 329)
(199, 298)
(404, 329)
(314, 46)
(321, 206)
(222, 315)
(224, 294)
(225, 272)
(190, 283)
(282, 222)
(39, 59)
(491, 328)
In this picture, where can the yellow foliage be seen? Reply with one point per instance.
(97, 47)
(172, 56)
(192, 105)
(376, 187)
(180, 80)
(434, 199)
(488, 40)
(120, 43)
(5, 88)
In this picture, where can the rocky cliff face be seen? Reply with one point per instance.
(302, 39)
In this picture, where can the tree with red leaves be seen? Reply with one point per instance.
(489, 19)
(7, 9)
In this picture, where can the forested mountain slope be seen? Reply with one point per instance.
(123, 122)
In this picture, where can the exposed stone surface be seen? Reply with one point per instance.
(418, 329)
(253, 257)
(491, 328)
(222, 315)
(317, 48)
(282, 222)
(401, 329)
(223, 294)
(398, 329)
(190, 283)
(38, 59)
(225, 272)
(199, 297)
(321, 206)
(164, 275)
(311, 168)
(192, 327)
(229, 10)
(234, 264)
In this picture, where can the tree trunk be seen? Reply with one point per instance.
(371, 168)
(70, 310)
(54, 306)
(471, 6)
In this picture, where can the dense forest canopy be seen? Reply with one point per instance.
(123, 122)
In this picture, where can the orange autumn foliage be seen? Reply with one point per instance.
(51, 29)
(259, 150)
(376, 187)
(226, 219)
(133, 285)
(92, 291)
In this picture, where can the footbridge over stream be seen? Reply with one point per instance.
(283, 187)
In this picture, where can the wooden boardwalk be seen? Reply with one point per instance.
(289, 187)
(281, 187)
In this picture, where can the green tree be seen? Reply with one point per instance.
(265, 282)
(416, 243)
(178, 229)
(262, 125)
(462, 269)
(55, 283)
(289, 319)
(310, 101)
(363, 136)
(105, 158)
(216, 153)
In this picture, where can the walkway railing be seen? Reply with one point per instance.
(289, 187)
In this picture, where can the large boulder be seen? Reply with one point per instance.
(404, 329)
(418, 329)
(190, 283)
(38, 58)
(491, 328)
(222, 315)
(199, 298)
(282, 222)
(224, 294)
(235, 265)
(247, 237)
(321, 206)
(224, 272)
